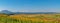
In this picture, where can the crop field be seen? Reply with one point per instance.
(30, 18)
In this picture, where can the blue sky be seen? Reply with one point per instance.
(30, 5)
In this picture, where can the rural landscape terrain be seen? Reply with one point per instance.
(30, 18)
(29, 11)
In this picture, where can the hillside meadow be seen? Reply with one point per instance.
(30, 18)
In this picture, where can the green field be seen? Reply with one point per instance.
(30, 18)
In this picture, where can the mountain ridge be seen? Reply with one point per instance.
(9, 12)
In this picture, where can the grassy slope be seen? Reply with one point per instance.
(30, 18)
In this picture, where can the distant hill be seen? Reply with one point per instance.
(37, 12)
(9, 12)
(6, 12)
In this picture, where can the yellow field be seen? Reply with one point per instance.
(37, 17)
(44, 18)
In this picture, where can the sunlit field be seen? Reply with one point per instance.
(30, 18)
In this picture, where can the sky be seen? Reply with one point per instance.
(30, 5)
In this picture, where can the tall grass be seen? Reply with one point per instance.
(36, 19)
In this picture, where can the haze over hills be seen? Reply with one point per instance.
(9, 12)
(6, 12)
